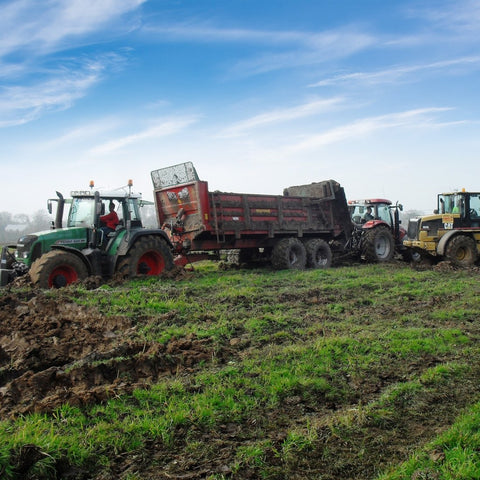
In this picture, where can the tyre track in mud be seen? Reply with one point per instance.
(54, 352)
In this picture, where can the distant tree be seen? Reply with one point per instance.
(40, 220)
(14, 226)
(5, 220)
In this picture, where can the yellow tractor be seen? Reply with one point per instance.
(451, 233)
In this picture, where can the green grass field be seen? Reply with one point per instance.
(358, 372)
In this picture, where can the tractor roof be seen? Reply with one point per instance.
(369, 201)
(108, 195)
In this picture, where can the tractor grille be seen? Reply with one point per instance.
(413, 226)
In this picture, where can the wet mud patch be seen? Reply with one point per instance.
(55, 352)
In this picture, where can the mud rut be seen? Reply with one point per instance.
(54, 352)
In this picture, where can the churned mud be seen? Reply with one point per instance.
(54, 352)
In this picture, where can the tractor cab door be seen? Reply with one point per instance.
(383, 212)
(474, 210)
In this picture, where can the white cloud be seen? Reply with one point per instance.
(462, 16)
(20, 104)
(397, 73)
(283, 49)
(31, 31)
(162, 129)
(409, 119)
(42, 27)
(281, 115)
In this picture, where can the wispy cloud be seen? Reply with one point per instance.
(281, 115)
(32, 33)
(417, 118)
(20, 104)
(160, 129)
(42, 27)
(279, 49)
(400, 72)
(462, 16)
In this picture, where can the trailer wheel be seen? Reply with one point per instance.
(56, 269)
(462, 251)
(378, 244)
(149, 255)
(289, 253)
(319, 254)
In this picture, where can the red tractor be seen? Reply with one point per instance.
(379, 221)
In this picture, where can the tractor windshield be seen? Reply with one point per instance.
(81, 212)
(376, 211)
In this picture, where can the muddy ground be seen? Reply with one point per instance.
(54, 351)
(52, 348)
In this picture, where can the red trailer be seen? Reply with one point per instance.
(294, 230)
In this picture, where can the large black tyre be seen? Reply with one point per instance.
(149, 255)
(462, 251)
(289, 253)
(56, 269)
(319, 254)
(411, 256)
(378, 244)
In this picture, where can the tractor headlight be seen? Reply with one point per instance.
(24, 246)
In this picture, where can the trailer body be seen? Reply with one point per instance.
(200, 220)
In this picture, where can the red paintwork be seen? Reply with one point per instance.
(199, 220)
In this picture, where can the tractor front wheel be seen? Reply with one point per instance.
(378, 244)
(462, 251)
(56, 269)
(289, 253)
(149, 255)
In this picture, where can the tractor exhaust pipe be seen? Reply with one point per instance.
(59, 214)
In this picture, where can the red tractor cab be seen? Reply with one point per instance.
(379, 220)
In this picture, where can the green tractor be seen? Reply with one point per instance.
(60, 256)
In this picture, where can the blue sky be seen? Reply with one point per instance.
(260, 95)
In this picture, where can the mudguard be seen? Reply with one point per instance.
(82, 254)
(444, 240)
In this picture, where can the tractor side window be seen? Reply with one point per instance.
(134, 212)
(118, 208)
(383, 213)
(446, 203)
(475, 206)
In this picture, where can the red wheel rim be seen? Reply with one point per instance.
(150, 263)
(61, 276)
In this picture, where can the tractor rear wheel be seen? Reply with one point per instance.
(56, 269)
(319, 254)
(289, 253)
(462, 251)
(378, 244)
(149, 255)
